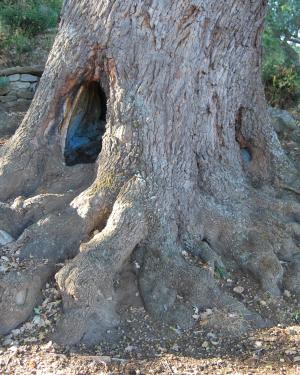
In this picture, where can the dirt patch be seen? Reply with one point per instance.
(144, 346)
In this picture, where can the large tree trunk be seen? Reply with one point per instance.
(190, 167)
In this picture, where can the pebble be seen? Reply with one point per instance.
(258, 344)
(238, 289)
(205, 345)
(129, 348)
(287, 293)
(206, 314)
(5, 238)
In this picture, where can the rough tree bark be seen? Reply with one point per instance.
(189, 164)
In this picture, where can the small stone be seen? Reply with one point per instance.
(20, 85)
(48, 345)
(5, 238)
(25, 94)
(21, 297)
(282, 360)
(206, 314)
(29, 78)
(32, 364)
(205, 345)
(37, 320)
(238, 289)
(21, 105)
(8, 98)
(14, 77)
(258, 344)
(287, 294)
(263, 303)
(296, 359)
(28, 326)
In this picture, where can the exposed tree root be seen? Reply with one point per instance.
(49, 236)
(20, 292)
(87, 281)
(173, 289)
(15, 217)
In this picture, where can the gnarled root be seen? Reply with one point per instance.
(20, 214)
(48, 227)
(174, 289)
(20, 292)
(39, 247)
(87, 281)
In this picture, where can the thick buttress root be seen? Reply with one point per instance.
(39, 246)
(173, 289)
(20, 292)
(87, 281)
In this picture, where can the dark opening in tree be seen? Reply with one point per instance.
(87, 125)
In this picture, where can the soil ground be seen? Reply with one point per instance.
(148, 347)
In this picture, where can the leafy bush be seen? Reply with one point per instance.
(20, 23)
(283, 89)
(29, 17)
(20, 42)
(281, 64)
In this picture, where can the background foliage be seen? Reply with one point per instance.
(22, 20)
(281, 42)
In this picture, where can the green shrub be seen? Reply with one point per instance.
(22, 20)
(21, 43)
(283, 88)
(281, 63)
(29, 17)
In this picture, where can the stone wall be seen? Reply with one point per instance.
(17, 87)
